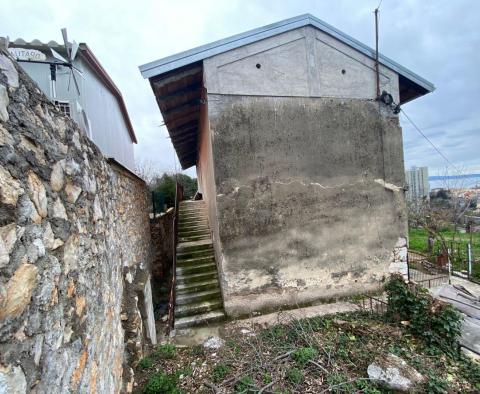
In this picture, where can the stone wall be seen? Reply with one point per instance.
(74, 252)
(161, 228)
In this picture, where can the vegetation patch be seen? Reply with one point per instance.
(325, 354)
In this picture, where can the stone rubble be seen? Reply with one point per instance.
(394, 373)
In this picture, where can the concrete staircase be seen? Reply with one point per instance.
(198, 297)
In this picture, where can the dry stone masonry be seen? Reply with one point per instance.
(74, 252)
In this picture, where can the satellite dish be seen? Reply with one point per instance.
(71, 50)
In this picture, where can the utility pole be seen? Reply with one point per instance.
(377, 71)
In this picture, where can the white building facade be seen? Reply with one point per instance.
(418, 185)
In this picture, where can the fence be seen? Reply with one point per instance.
(427, 271)
(465, 258)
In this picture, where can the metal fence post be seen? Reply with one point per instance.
(469, 254)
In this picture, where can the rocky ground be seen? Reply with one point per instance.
(348, 353)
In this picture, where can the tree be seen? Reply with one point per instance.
(165, 185)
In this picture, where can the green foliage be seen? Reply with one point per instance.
(162, 383)
(437, 323)
(220, 371)
(145, 363)
(165, 186)
(166, 351)
(274, 333)
(233, 346)
(303, 355)
(244, 384)
(294, 375)
(198, 350)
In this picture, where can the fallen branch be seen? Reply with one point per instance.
(212, 387)
(342, 384)
(284, 355)
(266, 387)
(319, 366)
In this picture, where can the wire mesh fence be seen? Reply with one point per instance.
(427, 271)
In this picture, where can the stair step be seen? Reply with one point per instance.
(192, 278)
(198, 320)
(196, 260)
(193, 254)
(184, 224)
(202, 227)
(194, 231)
(197, 269)
(197, 308)
(194, 245)
(192, 298)
(193, 238)
(195, 287)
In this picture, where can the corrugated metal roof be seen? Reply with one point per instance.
(181, 59)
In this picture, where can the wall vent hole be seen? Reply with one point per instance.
(343, 71)
(258, 65)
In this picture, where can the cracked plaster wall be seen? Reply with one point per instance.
(310, 202)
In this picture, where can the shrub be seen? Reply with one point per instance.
(303, 355)
(162, 383)
(145, 363)
(244, 383)
(220, 371)
(436, 322)
(198, 350)
(294, 375)
(166, 351)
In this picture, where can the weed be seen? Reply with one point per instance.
(338, 383)
(437, 323)
(145, 363)
(303, 355)
(294, 376)
(198, 350)
(267, 378)
(162, 383)
(166, 351)
(220, 371)
(244, 384)
(234, 346)
(185, 371)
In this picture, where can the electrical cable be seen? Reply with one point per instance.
(430, 142)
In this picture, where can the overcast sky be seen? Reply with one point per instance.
(439, 40)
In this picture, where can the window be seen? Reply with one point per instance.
(63, 106)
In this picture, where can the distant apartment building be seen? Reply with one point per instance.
(418, 185)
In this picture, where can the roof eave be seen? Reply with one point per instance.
(181, 59)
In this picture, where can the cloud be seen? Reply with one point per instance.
(437, 40)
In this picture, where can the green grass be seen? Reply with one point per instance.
(418, 241)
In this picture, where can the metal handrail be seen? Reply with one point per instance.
(171, 303)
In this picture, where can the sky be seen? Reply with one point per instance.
(439, 40)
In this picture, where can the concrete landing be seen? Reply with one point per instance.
(196, 336)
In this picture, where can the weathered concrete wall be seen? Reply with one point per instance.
(74, 251)
(310, 198)
(305, 62)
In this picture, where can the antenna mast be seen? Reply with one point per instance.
(377, 71)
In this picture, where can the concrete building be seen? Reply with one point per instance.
(418, 185)
(99, 109)
(301, 168)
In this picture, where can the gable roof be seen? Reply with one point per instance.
(177, 80)
(181, 59)
(87, 54)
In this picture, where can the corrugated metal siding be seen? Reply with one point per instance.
(108, 128)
